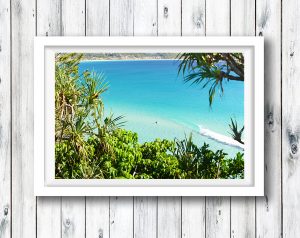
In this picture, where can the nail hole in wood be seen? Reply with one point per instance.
(166, 12)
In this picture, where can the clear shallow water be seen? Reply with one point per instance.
(157, 103)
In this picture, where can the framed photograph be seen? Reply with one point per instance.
(149, 116)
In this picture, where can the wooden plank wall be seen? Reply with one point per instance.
(274, 215)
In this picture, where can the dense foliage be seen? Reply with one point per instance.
(89, 144)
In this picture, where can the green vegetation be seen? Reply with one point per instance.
(90, 145)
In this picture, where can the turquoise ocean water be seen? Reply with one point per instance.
(157, 103)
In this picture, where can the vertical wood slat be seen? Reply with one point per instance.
(73, 208)
(268, 208)
(48, 208)
(5, 120)
(97, 208)
(290, 118)
(169, 208)
(23, 201)
(145, 208)
(193, 208)
(242, 208)
(121, 208)
(218, 208)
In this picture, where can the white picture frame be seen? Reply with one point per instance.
(45, 183)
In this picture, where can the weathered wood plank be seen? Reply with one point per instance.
(73, 217)
(145, 208)
(218, 208)
(73, 209)
(145, 217)
(97, 217)
(145, 17)
(121, 17)
(5, 120)
(193, 217)
(169, 17)
(23, 200)
(121, 217)
(193, 17)
(268, 208)
(73, 17)
(48, 208)
(97, 208)
(242, 208)
(169, 208)
(169, 217)
(97, 18)
(290, 117)
(193, 208)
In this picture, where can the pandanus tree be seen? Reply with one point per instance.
(211, 70)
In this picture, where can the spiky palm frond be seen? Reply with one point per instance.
(235, 132)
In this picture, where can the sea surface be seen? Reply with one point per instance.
(156, 103)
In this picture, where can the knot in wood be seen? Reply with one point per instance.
(270, 120)
(5, 210)
(294, 148)
(68, 222)
(100, 233)
(166, 12)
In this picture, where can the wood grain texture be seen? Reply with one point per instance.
(193, 217)
(218, 208)
(5, 120)
(169, 217)
(193, 208)
(145, 208)
(23, 201)
(121, 217)
(97, 217)
(73, 209)
(242, 208)
(73, 217)
(97, 17)
(48, 209)
(290, 117)
(268, 208)
(193, 17)
(121, 17)
(169, 17)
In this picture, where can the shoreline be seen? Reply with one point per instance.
(110, 60)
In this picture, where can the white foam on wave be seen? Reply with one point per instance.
(220, 138)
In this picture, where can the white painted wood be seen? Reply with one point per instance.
(73, 209)
(121, 17)
(48, 208)
(48, 217)
(290, 118)
(217, 217)
(73, 17)
(145, 17)
(97, 17)
(97, 208)
(193, 17)
(217, 17)
(23, 201)
(169, 208)
(5, 120)
(169, 17)
(242, 208)
(268, 208)
(169, 217)
(193, 208)
(217, 208)
(97, 217)
(193, 217)
(145, 217)
(73, 217)
(145, 208)
(121, 217)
